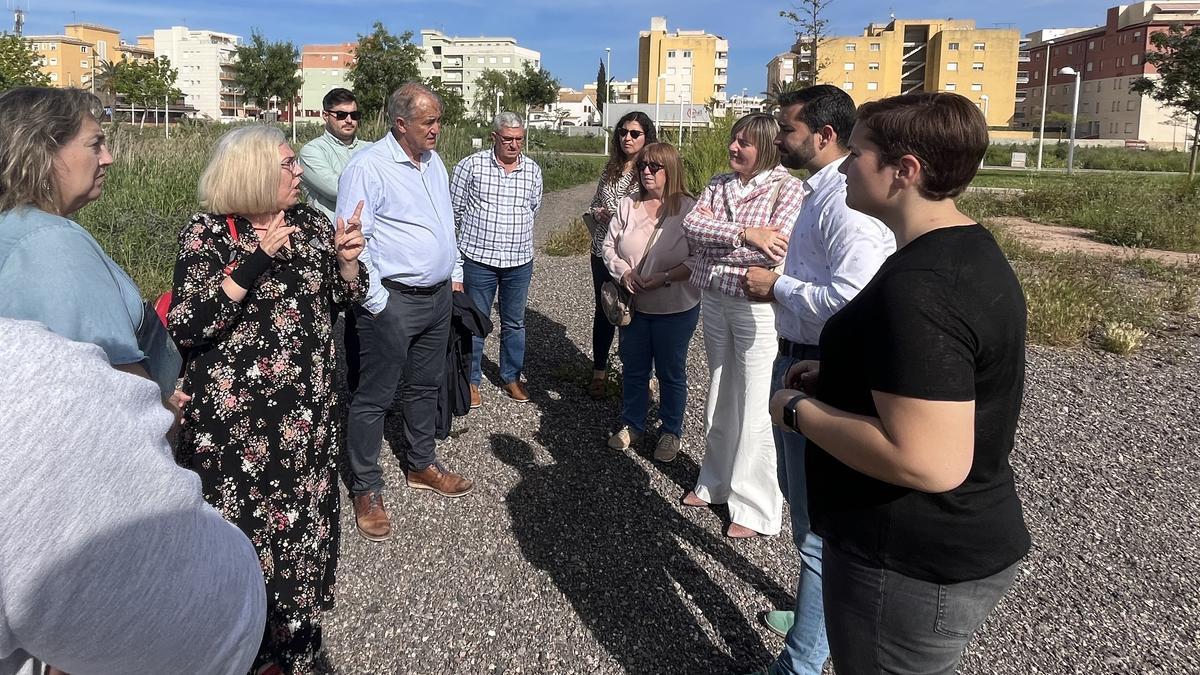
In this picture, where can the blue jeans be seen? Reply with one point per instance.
(659, 341)
(806, 646)
(480, 281)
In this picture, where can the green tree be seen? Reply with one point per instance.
(106, 81)
(812, 29)
(488, 85)
(534, 87)
(267, 70)
(146, 85)
(601, 87)
(454, 108)
(1176, 56)
(383, 62)
(778, 89)
(19, 65)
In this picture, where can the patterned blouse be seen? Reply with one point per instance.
(608, 195)
(774, 202)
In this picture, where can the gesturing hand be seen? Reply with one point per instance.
(348, 238)
(276, 236)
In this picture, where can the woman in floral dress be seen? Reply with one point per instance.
(256, 283)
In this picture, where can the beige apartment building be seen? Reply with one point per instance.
(1110, 58)
(459, 61)
(323, 67)
(72, 59)
(204, 59)
(687, 66)
(912, 55)
(781, 70)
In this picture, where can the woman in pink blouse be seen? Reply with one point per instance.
(743, 219)
(647, 252)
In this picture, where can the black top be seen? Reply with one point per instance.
(943, 320)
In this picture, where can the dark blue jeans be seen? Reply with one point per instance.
(881, 621)
(602, 330)
(658, 341)
(481, 282)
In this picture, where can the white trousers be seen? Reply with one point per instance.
(739, 461)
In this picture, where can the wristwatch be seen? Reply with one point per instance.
(789, 411)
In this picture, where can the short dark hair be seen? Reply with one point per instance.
(337, 97)
(945, 132)
(824, 105)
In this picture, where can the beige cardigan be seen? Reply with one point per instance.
(628, 232)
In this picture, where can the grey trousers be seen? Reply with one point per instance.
(881, 621)
(404, 346)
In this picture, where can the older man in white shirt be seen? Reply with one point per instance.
(404, 323)
(832, 253)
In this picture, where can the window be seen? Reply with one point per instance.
(976, 86)
(54, 77)
(1091, 45)
(53, 61)
(979, 46)
(1037, 75)
(687, 54)
(1130, 105)
(481, 59)
(1129, 127)
(1114, 106)
(83, 63)
(952, 46)
(1070, 49)
(670, 53)
(508, 59)
(1089, 66)
(1134, 60)
(874, 46)
(873, 66)
(848, 66)
(83, 49)
(1053, 91)
(671, 70)
(1120, 61)
(977, 66)
(670, 87)
(847, 86)
(850, 46)
(872, 86)
(1137, 35)
(950, 86)
(491, 59)
(685, 71)
(1097, 107)
(952, 66)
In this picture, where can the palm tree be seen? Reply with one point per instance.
(777, 89)
(107, 76)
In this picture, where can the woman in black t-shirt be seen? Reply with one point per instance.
(914, 404)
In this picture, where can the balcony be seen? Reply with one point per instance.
(1022, 78)
(720, 79)
(1022, 58)
(722, 62)
(449, 64)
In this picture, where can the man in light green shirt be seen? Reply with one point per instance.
(324, 157)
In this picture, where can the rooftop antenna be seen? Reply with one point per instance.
(18, 22)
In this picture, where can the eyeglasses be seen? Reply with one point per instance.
(511, 140)
(654, 167)
(289, 164)
(342, 114)
(632, 133)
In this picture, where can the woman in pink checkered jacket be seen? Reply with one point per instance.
(743, 219)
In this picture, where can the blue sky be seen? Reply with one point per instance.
(570, 34)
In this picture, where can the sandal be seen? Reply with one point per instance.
(598, 388)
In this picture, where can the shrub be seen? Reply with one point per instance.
(1121, 337)
(574, 239)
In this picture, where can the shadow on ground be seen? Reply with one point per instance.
(621, 553)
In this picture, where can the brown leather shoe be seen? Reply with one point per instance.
(517, 391)
(445, 483)
(371, 518)
(476, 399)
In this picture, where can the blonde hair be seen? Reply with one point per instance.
(242, 174)
(35, 123)
(760, 130)
(674, 190)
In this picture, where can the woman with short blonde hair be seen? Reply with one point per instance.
(743, 219)
(257, 280)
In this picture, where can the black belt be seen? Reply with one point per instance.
(797, 350)
(412, 290)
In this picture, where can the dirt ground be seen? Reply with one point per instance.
(1061, 239)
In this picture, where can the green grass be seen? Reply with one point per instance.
(573, 239)
(1054, 155)
(150, 191)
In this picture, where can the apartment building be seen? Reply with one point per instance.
(323, 67)
(68, 61)
(740, 106)
(1110, 57)
(912, 55)
(459, 61)
(687, 66)
(204, 59)
(781, 70)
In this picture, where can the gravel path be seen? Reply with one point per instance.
(572, 558)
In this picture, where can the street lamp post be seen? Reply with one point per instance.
(1074, 116)
(607, 94)
(1045, 88)
(983, 104)
(658, 98)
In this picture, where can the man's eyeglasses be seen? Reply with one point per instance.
(632, 133)
(654, 167)
(510, 140)
(289, 164)
(343, 114)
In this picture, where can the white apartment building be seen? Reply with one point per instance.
(205, 61)
(459, 61)
(781, 70)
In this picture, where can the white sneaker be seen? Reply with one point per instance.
(667, 448)
(624, 439)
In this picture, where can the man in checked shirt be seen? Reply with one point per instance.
(496, 193)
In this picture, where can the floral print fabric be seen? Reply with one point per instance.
(265, 423)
